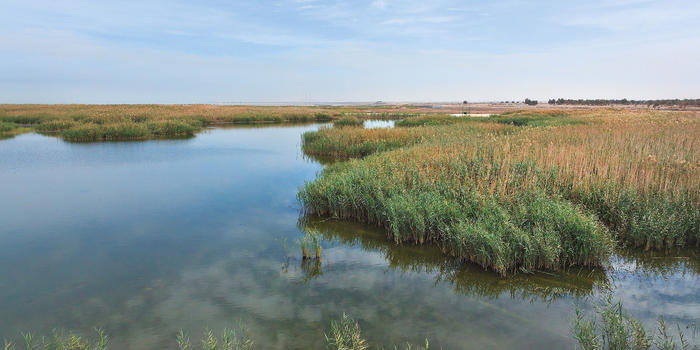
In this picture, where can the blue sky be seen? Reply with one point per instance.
(86, 51)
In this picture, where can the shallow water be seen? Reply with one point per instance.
(146, 238)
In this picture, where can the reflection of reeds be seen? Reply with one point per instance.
(312, 268)
(467, 279)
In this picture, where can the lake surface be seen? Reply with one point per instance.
(146, 238)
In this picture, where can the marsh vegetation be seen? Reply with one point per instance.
(522, 191)
(138, 122)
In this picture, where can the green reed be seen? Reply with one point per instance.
(512, 198)
(310, 245)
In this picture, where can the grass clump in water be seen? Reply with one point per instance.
(310, 245)
(348, 121)
(614, 329)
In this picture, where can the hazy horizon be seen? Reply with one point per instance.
(312, 51)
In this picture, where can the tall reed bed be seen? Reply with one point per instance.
(310, 245)
(511, 198)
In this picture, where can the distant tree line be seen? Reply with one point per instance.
(624, 101)
(530, 102)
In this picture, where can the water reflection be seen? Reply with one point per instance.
(466, 279)
(650, 284)
(658, 264)
(145, 238)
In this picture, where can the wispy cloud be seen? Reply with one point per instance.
(418, 20)
(148, 51)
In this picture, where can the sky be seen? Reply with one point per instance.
(209, 51)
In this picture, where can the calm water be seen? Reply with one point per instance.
(146, 238)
